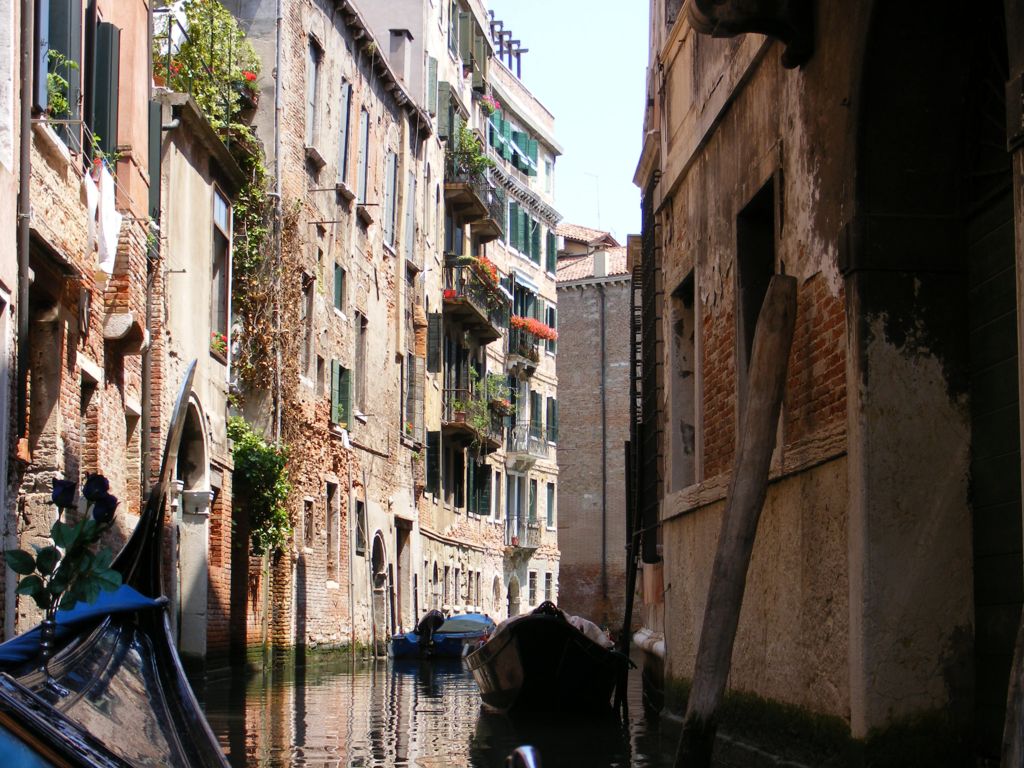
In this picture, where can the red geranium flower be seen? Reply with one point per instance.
(250, 76)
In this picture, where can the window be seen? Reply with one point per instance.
(533, 501)
(306, 319)
(549, 587)
(755, 264)
(454, 236)
(682, 388)
(346, 104)
(410, 217)
(552, 321)
(536, 415)
(364, 150)
(360, 366)
(360, 527)
(458, 478)
(523, 232)
(220, 300)
(433, 478)
(308, 523)
(333, 515)
(390, 207)
(497, 494)
(533, 587)
(314, 55)
(551, 252)
(552, 420)
(447, 575)
(341, 395)
(453, 28)
(339, 287)
(551, 505)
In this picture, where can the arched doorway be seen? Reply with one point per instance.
(513, 596)
(380, 599)
(192, 530)
(931, 274)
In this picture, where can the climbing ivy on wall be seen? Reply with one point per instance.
(261, 485)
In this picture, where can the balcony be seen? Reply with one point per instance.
(472, 296)
(522, 535)
(474, 199)
(523, 351)
(526, 444)
(466, 418)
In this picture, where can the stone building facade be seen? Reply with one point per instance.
(594, 294)
(886, 581)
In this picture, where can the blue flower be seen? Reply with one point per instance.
(103, 508)
(63, 494)
(95, 487)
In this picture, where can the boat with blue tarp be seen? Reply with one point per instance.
(437, 637)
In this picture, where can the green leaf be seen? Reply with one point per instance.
(20, 562)
(108, 580)
(47, 559)
(63, 534)
(30, 585)
(103, 559)
(42, 600)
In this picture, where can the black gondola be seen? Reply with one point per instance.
(116, 693)
(540, 662)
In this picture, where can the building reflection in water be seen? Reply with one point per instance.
(330, 713)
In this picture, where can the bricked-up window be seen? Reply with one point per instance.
(552, 322)
(360, 367)
(341, 395)
(339, 287)
(682, 386)
(755, 265)
(364, 151)
(551, 506)
(343, 126)
(306, 320)
(549, 587)
(533, 588)
(314, 55)
(360, 527)
(332, 504)
(390, 197)
(552, 420)
(308, 523)
(220, 299)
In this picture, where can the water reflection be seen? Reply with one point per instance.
(330, 712)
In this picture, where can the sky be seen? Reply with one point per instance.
(587, 63)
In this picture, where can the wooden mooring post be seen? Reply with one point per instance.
(773, 339)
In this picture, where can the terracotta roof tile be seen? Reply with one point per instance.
(582, 267)
(585, 234)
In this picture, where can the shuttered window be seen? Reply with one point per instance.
(514, 230)
(346, 105)
(341, 394)
(105, 75)
(536, 415)
(434, 340)
(552, 420)
(339, 287)
(364, 150)
(551, 506)
(154, 157)
(535, 241)
(390, 184)
(432, 85)
(444, 111)
(552, 322)
(410, 217)
(552, 252)
(433, 463)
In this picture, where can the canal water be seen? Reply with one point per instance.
(332, 712)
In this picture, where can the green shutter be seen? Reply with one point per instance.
(64, 26)
(479, 62)
(532, 151)
(506, 133)
(106, 72)
(343, 126)
(513, 224)
(434, 463)
(345, 394)
(552, 252)
(444, 110)
(524, 236)
(535, 241)
(155, 155)
(471, 499)
(339, 286)
(434, 342)
(335, 391)
(466, 37)
(483, 484)
(552, 425)
(432, 85)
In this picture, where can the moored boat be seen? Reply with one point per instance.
(436, 637)
(114, 692)
(546, 661)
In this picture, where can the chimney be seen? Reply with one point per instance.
(400, 54)
(601, 263)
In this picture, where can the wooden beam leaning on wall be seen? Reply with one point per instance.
(773, 339)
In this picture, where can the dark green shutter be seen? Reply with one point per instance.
(105, 75)
(524, 242)
(513, 224)
(471, 499)
(65, 36)
(532, 151)
(339, 286)
(466, 37)
(345, 394)
(346, 108)
(533, 501)
(434, 342)
(552, 252)
(432, 85)
(535, 241)
(444, 110)
(506, 132)
(483, 487)
(154, 156)
(335, 391)
(434, 463)
(479, 62)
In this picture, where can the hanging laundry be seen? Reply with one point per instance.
(110, 222)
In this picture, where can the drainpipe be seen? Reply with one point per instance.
(604, 449)
(24, 212)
